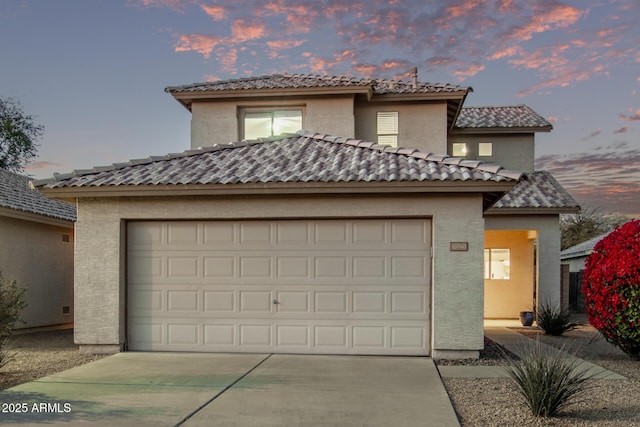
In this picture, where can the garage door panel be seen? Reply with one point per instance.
(327, 287)
(219, 301)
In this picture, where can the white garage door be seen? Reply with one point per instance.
(322, 286)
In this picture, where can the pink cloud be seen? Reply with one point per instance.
(243, 30)
(546, 18)
(633, 117)
(217, 12)
(470, 71)
(386, 36)
(623, 129)
(203, 44)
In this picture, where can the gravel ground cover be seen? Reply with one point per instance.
(38, 354)
(494, 402)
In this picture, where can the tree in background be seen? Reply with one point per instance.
(612, 287)
(18, 136)
(587, 224)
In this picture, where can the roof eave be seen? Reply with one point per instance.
(532, 211)
(481, 130)
(186, 98)
(420, 96)
(33, 217)
(396, 187)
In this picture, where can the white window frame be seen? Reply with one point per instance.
(272, 111)
(387, 127)
(500, 269)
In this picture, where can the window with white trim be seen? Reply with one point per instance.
(387, 128)
(264, 123)
(459, 149)
(485, 149)
(497, 263)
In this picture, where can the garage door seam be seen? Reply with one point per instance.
(221, 392)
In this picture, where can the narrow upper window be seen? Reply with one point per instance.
(459, 149)
(387, 128)
(485, 149)
(497, 264)
(261, 124)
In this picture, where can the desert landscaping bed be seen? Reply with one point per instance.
(38, 354)
(494, 401)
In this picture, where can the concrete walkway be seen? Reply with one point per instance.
(517, 344)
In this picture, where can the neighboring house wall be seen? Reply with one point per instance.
(511, 151)
(421, 125)
(575, 264)
(548, 229)
(219, 121)
(40, 256)
(457, 304)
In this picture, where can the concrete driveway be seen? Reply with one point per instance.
(189, 389)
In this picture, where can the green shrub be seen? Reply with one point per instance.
(554, 320)
(11, 305)
(547, 379)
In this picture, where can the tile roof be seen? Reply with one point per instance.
(303, 157)
(537, 191)
(294, 81)
(512, 116)
(15, 193)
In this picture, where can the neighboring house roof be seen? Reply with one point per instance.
(302, 158)
(16, 194)
(306, 81)
(509, 118)
(581, 249)
(537, 192)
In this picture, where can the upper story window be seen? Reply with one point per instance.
(459, 149)
(264, 123)
(387, 128)
(485, 149)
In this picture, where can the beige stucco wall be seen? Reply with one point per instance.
(505, 299)
(457, 294)
(421, 125)
(34, 254)
(548, 228)
(515, 152)
(217, 121)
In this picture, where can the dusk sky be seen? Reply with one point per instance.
(93, 72)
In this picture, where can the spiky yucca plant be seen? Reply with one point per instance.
(547, 380)
(554, 320)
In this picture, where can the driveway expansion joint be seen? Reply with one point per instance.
(221, 392)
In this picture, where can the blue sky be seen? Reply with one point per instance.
(93, 71)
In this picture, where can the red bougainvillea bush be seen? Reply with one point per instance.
(612, 287)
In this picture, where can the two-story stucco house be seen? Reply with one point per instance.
(358, 236)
